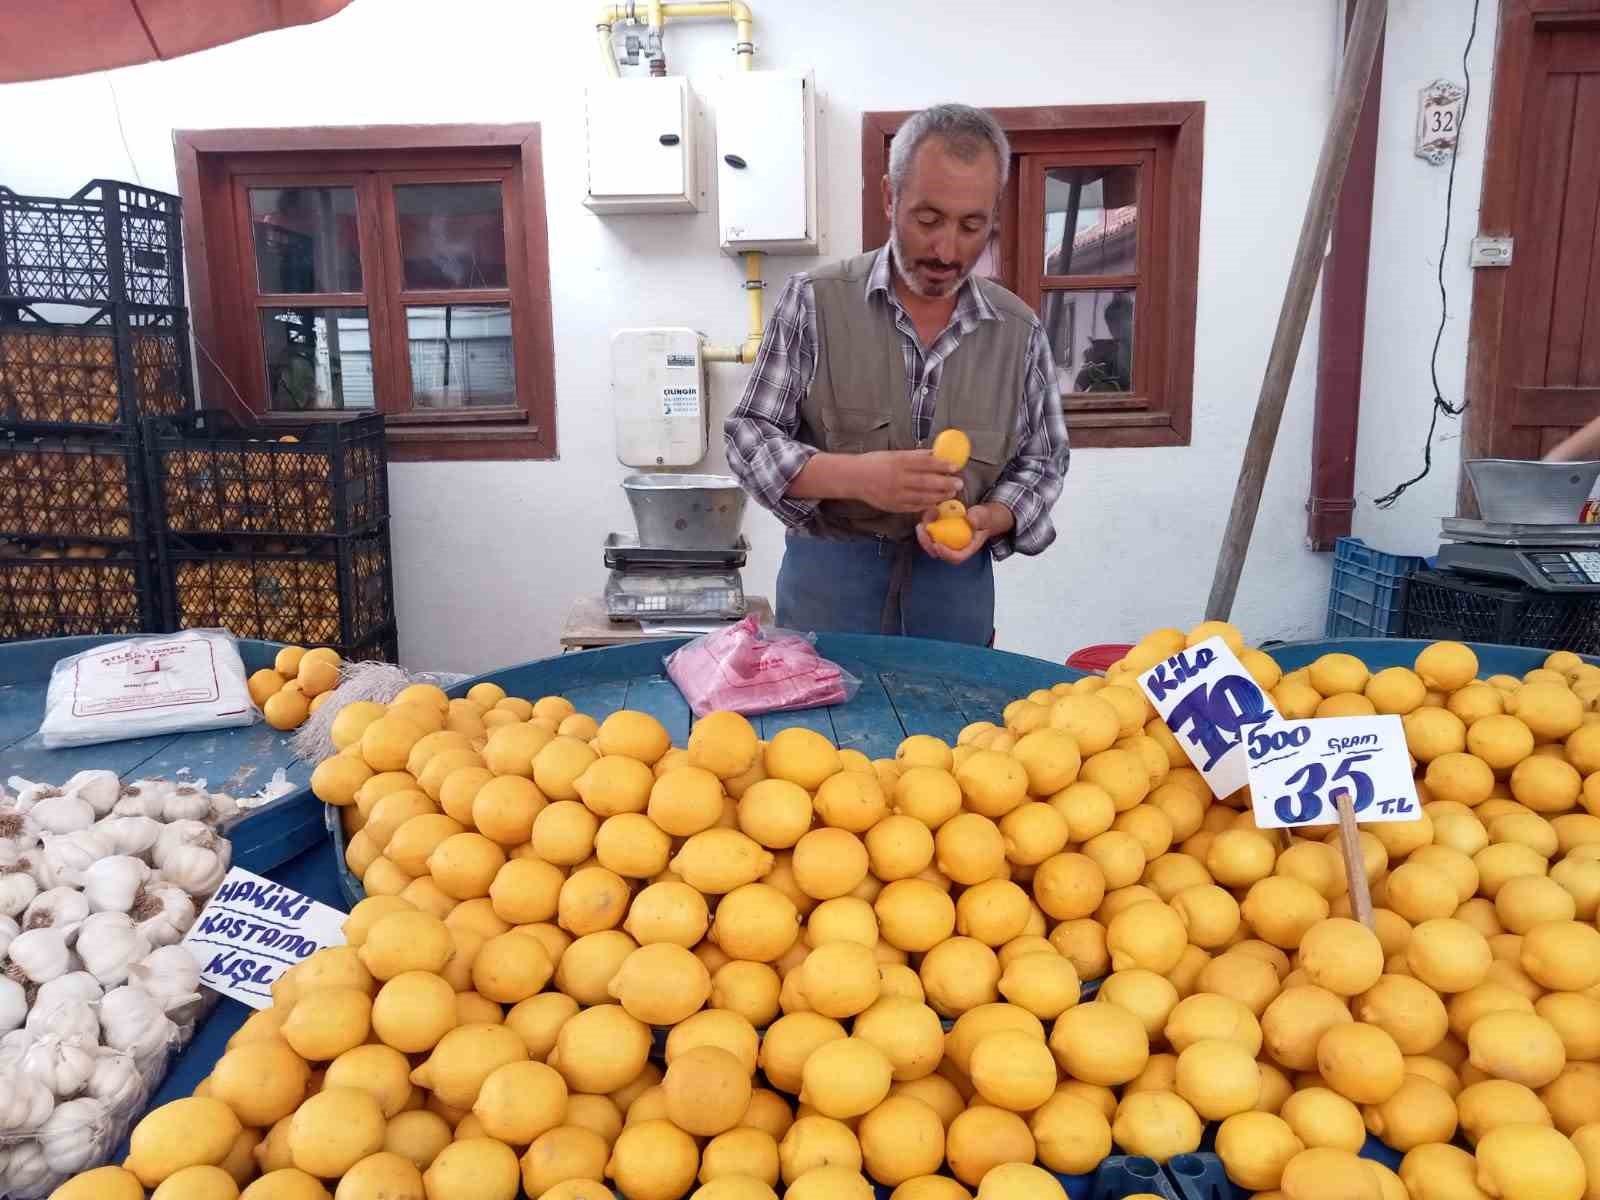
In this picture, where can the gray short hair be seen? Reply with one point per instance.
(966, 130)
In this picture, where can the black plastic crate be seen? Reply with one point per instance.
(103, 374)
(109, 242)
(1442, 604)
(305, 591)
(210, 474)
(49, 591)
(73, 488)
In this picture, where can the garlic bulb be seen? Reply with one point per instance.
(72, 1020)
(140, 800)
(29, 794)
(23, 1170)
(17, 889)
(179, 834)
(223, 807)
(187, 803)
(63, 860)
(13, 1004)
(116, 1082)
(74, 985)
(195, 869)
(24, 1102)
(76, 1134)
(132, 1020)
(112, 884)
(60, 908)
(109, 944)
(8, 930)
(40, 954)
(134, 836)
(162, 912)
(61, 1064)
(102, 789)
(65, 813)
(170, 974)
(18, 831)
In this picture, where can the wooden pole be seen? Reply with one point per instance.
(1355, 863)
(1360, 51)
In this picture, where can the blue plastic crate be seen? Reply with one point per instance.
(1367, 595)
(1201, 1176)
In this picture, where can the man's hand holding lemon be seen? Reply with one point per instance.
(952, 532)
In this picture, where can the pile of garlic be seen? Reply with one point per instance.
(99, 881)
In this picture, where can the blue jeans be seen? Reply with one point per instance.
(877, 586)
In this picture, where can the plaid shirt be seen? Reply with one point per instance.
(760, 435)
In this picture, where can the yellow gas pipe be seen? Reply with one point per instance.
(656, 14)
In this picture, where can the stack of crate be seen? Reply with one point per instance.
(94, 339)
(280, 533)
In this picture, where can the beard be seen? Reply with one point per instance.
(903, 269)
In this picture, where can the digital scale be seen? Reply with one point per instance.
(652, 583)
(1547, 558)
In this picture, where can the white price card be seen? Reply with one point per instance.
(253, 930)
(1211, 704)
(1296, 767)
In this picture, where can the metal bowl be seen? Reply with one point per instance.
(686, 512)
(1531, 493)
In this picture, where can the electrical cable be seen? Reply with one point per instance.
(116, 108)
(1439, 403)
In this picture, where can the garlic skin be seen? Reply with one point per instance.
(109, 944)
(28, 793)
(140, 800)
(133, 836)
(40, 955)
(170, 975)
(181, 833)
(186, 803)
(18, 832)
(18, 887)
(8, 930)
(60, 1064)
(112, 884)
(162, 912)
(195, 869)
(62, 814)
(132, 1020)
(23, 1170)
(63, 859)
(102, 789)
(116, 1082)
(13, 1005)
(63, 909)
(74, 985)
(70, 1020)
(25, 1103)
(75, 1135)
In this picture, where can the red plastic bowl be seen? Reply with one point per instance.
(1098, 658)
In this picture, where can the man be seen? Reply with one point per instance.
(863, 364)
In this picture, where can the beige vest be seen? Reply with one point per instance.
(860, 398)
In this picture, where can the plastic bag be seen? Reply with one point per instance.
(750, 669)
(145, 686)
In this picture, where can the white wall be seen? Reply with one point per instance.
(489, 556)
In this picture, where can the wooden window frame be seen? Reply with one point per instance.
(208, 163)
(1173, 134)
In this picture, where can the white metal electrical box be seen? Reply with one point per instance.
(767, 162)
(658, 391)
(641, 136)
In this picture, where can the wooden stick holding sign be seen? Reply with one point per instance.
(1355, 863)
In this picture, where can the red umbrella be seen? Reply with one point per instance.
(69, 37)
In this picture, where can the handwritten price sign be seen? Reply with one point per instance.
(253, 930)
(1211, 704)
(1295, 767)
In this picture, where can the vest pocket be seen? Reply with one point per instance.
(856, 431)
(983, 468)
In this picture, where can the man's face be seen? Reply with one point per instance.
(940, 222)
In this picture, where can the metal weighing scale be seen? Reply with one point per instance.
(1548, 558)
(649, 583)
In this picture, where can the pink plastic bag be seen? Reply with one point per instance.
(747, 669)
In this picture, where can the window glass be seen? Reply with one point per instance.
(305, 239)
(1091, 339)
(317, 358)
(452, 235)
(460, 355)
(1100, 205)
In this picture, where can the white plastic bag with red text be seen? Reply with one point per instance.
(147, 686)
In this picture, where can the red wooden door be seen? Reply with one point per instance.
(1549, 376)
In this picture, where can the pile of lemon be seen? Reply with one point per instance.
(869, 972)
(298, 682)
